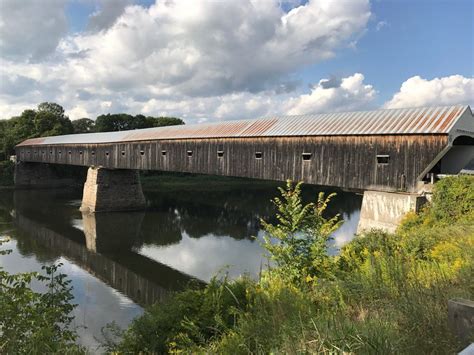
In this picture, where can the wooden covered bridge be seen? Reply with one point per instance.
(385, 151)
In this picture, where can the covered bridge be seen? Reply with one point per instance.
(383, 150)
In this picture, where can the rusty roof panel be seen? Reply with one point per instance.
(423, 120)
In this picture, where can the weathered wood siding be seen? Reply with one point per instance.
(348, 162)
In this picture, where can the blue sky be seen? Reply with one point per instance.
(234, 59)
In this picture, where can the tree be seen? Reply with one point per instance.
(165, 121)
(123, 122)
(83, 125)
(47, 120)
(51, 121)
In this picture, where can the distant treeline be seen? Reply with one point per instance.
(48, 119)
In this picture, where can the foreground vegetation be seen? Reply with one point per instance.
(384, 293)
(36, 322)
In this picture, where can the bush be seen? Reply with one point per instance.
(188, 319)
(297, 243)
(33, 322)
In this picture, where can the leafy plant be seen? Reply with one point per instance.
(35, 322)
(297, 243)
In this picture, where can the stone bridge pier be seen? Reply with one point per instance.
(108, 190)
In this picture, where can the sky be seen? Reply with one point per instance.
(205, 60)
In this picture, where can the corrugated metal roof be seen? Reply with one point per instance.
(423, 120)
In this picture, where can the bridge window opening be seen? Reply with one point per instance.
(258, 155)
(106, 154)
(383, 159)
(51, 152)
(69, 152)
(60, 152)
(189, 153)
(123, 153)
(220, 153)
(307, 156)
(163, 153)
(80, 152)
(142, 152)
(42, 152)
(93, 152)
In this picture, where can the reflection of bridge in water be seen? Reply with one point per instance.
(143, 280)
(109, 245)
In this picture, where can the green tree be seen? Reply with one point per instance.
(297, 243)
(47, 120)
(122, 122)
(51, 121)
(165, 121)
(83, 125)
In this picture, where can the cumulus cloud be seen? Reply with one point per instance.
(225, 60)
(417, 91)
(29, 29)
(107, 13)
(346, 94)
(191, 48)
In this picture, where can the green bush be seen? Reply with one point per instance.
(34, 322)
(188, 319)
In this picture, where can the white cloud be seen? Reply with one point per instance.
(347, 94)
(31, 29)
(196, 59)
(416, 91)
(192, 48)
(106, 14)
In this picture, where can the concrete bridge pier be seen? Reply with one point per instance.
(108, 190)
(385, 210)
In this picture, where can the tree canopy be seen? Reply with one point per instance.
(47, 120)
(123, 122)
(83, 125)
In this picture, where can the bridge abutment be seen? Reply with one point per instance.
(112, 190)
(385, 210)
(41, 175)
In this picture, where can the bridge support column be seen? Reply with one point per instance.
(40, 175)
(385, 210)
(112, 190)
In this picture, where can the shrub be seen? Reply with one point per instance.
(33, 322)
(297, 243)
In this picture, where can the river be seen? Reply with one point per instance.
(121, 262)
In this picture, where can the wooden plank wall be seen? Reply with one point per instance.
(348, 162)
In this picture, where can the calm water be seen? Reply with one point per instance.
(121, 262)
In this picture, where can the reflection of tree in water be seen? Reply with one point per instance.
(234, 213)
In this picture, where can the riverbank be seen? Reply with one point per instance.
(372, 298)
